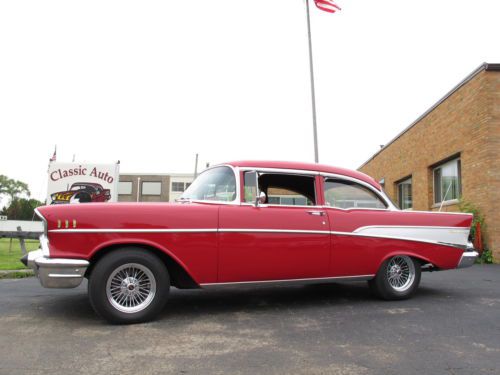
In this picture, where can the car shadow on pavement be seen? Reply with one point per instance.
(252, 300)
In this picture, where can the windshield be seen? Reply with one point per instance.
(216, 184)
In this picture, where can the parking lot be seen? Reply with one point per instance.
(452, 326)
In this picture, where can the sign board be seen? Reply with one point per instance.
(82, 183)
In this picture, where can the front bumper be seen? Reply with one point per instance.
(56, 272)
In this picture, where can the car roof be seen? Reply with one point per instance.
(87, 184)
(306, 166)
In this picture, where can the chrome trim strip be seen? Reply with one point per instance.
(303, 172)
(259, 230)
(253, 230)
(236, 173)
(291, 281)
(138, 230)
(410, 226)
(378, 193)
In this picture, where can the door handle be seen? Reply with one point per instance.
(316, 213)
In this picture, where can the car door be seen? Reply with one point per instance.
(351, 205)
(286, 237)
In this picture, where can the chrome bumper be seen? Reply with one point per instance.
(468, 258)
(56, 272)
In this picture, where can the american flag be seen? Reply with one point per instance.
(54, 156)
(327, 5)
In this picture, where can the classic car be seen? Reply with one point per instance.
(81, 192)
(246, 223)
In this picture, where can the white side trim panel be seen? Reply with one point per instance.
(448, 235)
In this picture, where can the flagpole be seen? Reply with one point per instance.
(313, 96)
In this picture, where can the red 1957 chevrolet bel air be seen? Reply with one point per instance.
(246, 223)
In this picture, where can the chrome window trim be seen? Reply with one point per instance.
(379, 193)
(280, 205)
(234, 202)
(302, 172)
(282, 171)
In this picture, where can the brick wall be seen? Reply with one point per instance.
(466, 123)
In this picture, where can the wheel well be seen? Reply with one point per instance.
(178, 275)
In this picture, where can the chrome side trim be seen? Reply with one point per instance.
(138, 230)
(290, 281)
(258, 230)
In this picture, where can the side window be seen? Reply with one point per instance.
(250, 186)
(348, 194)
(280, 189)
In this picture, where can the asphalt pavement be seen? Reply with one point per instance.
(452, 326)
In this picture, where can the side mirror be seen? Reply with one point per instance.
(260, 199)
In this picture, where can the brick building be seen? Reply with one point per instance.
(449, 153)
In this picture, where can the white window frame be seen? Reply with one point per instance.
(406, 181)
(459, 176)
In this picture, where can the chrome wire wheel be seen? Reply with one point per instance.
(131, 288)
(400, 273)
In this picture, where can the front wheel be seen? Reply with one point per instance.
(128, 285)
(398, 278)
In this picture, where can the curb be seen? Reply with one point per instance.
(16, 274)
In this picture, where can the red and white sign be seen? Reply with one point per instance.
(82, 183)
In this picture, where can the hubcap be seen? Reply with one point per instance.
(400, 273)
(131, 288)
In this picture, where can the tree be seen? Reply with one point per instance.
(22, 209)
(13, 188)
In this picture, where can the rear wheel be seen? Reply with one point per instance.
(398, 278)
(128, 285)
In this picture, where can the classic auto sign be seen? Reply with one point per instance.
(82, 183)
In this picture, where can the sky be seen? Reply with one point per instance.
(153, 83)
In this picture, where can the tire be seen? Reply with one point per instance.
(129, 285)
(398, 278)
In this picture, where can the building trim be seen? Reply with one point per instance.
(482, 67)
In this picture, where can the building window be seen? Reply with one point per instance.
(447, 181)
(125, 188)
(178, 187)
(404, 194)
(151, 188)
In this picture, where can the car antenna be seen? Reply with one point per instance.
(444, 198)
